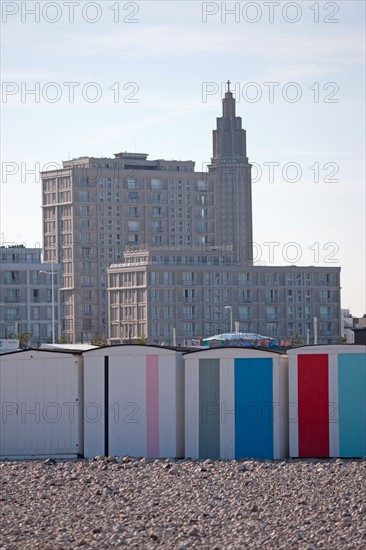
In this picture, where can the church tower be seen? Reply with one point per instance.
(233, 187)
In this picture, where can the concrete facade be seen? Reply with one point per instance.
(154, 292)
(26, 295)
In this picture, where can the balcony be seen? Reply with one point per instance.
(272, 317)
(272, 283)
(12, 299)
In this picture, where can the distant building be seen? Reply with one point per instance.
(347, 324)
(154, 292)
(192, 230)
(359, 329)
(26, 295)
(95, 208)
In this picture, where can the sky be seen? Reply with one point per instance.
(96, 78)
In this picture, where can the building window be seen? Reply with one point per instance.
(189, 312)
(156, 184)
(189, 278)
(244, 279)
(245, 296)
(272, 279)
(133, 197)
(157, 226)
(272, 296)
(85, 196)
(156, 212)
(271, 330)
(85, 225)
(202, 186)
(189, 329)
(272, 313)
(325, 313)
(12, 277)
(12, 313)
(325, 279)
(245, 313)
(189, 295)
(133, 225)
(325, 296)
(156, 198)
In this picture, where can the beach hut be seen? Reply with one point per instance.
(236, 404)
(40, 404)
(327, 394)
(134, 401)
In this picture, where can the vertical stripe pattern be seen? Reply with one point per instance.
(152, 405)
(313, 401)
(352, 404)
(209, 408)
(106, 405)
(254, 408)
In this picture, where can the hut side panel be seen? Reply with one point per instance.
(95, 388)
(128, 406)
(41, 404)
(171, 407)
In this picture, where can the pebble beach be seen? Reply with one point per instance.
(113, 502)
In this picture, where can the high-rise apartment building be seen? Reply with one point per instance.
(95, 208)
(169, 230)
(29, 298)
(170, 296)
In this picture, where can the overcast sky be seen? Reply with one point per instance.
(148, 77)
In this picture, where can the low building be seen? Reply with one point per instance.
(347, 324)
(29, 300)
(172, 296)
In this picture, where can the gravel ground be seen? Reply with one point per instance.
(137, 503)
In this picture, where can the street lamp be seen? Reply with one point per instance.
(231, 317)
(52, 273)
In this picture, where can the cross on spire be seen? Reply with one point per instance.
(228, 85)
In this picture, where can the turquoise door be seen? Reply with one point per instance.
(352, 404)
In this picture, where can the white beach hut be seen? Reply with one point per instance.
(40, 404)
(134, 401)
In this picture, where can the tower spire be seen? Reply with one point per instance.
(229, 141)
